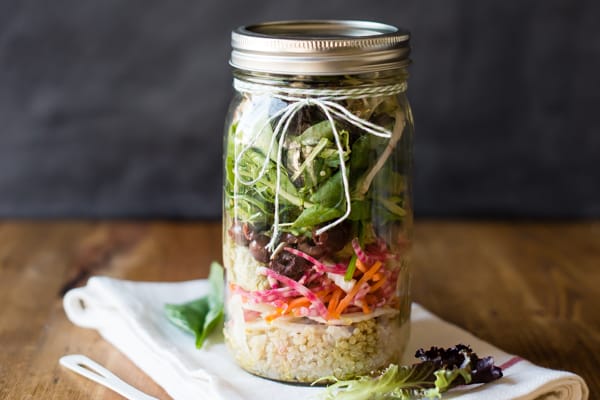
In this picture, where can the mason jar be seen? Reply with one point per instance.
(317, 209)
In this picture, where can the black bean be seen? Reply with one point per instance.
(236, 233)
(289, 238)
(334, 239)
(258, 248)
(312, 249)
(249, 231)
(289, 265)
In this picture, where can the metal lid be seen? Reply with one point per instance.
(315, 47)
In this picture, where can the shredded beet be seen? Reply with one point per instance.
(360, 254)
(301, 289)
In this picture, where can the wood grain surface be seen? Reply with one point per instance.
(532, 289)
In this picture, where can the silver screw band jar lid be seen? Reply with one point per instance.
(319, 47)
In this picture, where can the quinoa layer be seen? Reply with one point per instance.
(305, 352)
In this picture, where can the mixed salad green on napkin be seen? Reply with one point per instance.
(439, 370)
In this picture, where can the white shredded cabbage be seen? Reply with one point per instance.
(339, 280)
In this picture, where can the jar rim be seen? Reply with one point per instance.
(319, 47)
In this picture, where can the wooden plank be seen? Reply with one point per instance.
(529, 288)
(38, 261)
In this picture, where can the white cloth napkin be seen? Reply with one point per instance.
(130, 316)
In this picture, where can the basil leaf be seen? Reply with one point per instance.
(215, 303)
(201, 316)
(188, 316)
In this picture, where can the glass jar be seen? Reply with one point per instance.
(317, 199)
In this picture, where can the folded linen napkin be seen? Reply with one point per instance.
(130, 316)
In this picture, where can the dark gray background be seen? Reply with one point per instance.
(115, 108)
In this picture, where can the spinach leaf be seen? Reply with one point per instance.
(314, 133)
(201, 316)
(361, 149)
(330, 193)
(360, 210)
(315, 215)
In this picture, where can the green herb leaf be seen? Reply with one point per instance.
(201, 316)
(215, 303)
(188, 316)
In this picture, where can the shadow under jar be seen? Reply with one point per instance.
(317, 199)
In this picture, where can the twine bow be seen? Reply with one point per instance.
(328, 105)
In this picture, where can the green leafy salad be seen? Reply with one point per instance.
(310, 187)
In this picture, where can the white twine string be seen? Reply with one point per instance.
(325, 100)
(338, 93)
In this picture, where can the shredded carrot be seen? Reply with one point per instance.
(394, 301)
(335, 298)
(371, 299)
(377, 276)
(377, 285)
(292, 305)
(298, 302)
(324, 294)
(345, 302)
(360, 266)
(274, 315)
(366, 308)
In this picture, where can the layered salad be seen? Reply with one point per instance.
(317, 220)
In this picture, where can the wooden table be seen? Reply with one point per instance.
(532, 289)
